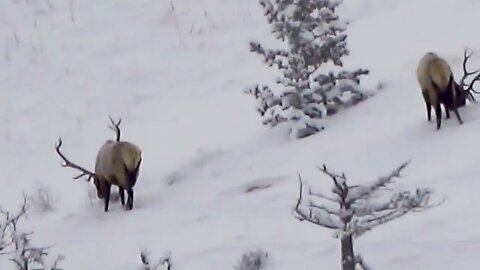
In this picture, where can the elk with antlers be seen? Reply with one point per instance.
(439, 87)
(117, 163)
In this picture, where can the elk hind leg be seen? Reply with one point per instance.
(121, 192)
(427, 104)
(107, 195)
(130, 199)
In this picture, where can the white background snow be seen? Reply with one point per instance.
(176, 77)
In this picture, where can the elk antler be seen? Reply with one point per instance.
(466, 73)
(115, 127)
(68, 163)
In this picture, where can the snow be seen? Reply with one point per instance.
(175, 76)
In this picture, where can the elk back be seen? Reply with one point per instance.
(435, 77)
(117, 163)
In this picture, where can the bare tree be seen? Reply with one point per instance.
(353, 210)
(17, 244)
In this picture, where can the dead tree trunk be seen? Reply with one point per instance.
(348, 258)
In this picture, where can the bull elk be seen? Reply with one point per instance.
(438, 86)
(117, 163)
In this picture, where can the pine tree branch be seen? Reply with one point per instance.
(368, 189)
(322, 196)
(359, 227)
(401, 204)
(323, 208)
(415, 202)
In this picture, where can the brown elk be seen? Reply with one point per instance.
(438, 86)
(117, 163)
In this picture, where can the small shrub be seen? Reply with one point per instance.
(253, 260)
(42, 200)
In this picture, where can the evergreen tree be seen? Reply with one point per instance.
(315, 37)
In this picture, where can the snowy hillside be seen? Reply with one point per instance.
(175, 75)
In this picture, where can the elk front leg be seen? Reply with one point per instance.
(447, 112)
(107, 195)
(458, 115)
(438, 114)
(121, 191)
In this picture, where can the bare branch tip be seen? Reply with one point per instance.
(403, 165)
(59, 143)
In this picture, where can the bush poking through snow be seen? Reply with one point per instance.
(353, 210)
(17, 245)
(42, 200)
(316, 40)
(147, 265)
(253, 260)
(361, 263)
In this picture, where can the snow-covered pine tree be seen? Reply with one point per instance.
(315, 37)
(353, 210)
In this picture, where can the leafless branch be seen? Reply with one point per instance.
(18, 242)
(325, 221)
(10, 221)
(332, 174)
(340, 183)
(72, 15)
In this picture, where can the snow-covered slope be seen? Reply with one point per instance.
(175, 75)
